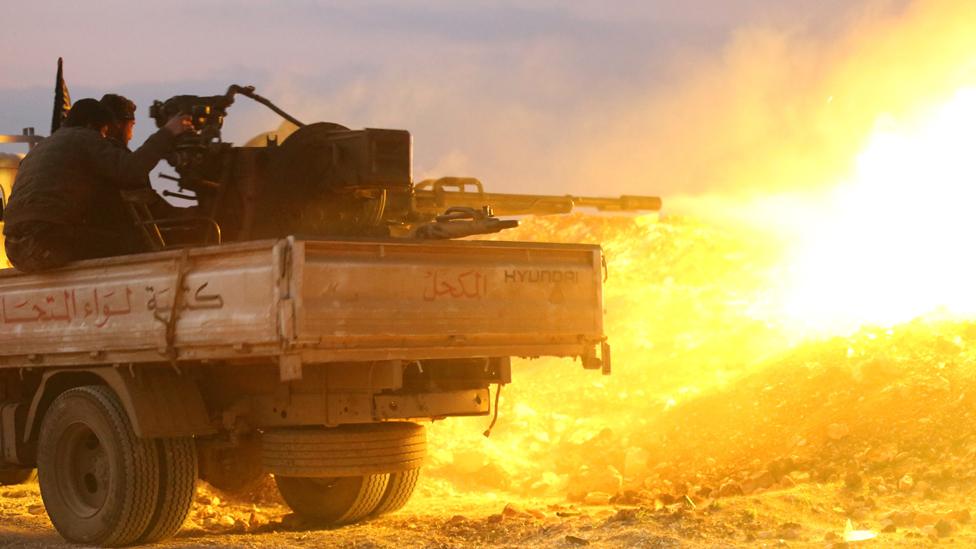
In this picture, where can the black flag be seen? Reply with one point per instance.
(62, 100)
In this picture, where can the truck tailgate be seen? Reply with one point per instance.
(446, 298)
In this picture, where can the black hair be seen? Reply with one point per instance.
(121, 107)
(88, 113)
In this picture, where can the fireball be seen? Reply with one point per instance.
(895, 241)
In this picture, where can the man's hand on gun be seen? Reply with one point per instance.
(179, 124)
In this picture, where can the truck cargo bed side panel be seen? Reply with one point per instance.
(118, 308)
(357, 295)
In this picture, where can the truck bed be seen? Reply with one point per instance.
(308, 301)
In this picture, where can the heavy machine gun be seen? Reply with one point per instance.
(326, 180)
(433, 195)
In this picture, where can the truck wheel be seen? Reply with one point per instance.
(398, 491)
(233, 470)
(337, 500)
(98, 480)
(9, 477)
(347, 451)
(177, 484)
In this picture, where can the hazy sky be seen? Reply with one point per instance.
(492, 89)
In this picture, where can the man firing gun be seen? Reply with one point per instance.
(53, 216)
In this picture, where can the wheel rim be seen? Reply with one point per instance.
(84, 484)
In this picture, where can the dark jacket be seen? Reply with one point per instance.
(60, 179)
(113, 214)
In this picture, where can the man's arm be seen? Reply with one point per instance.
(127, 170)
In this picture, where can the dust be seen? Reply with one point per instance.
(715, 427)
(712, 400)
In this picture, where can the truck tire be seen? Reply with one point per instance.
(9, 477)
(98, 480)
(398, 491)
(347, 451)
(339, 500)
(177, 485)
(233, 470)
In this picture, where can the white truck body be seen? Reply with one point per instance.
(307, 302)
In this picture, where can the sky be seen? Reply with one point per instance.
(527, 96)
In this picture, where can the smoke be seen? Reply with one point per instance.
(782, 111)
(780, 107)
(693, 307)
(552, 97)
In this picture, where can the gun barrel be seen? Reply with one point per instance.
(434, 196)
(626, 203)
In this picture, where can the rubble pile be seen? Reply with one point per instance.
(257, 510)
(886, 411)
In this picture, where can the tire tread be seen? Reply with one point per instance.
(345, 451)
(177, 485)
(398, 491)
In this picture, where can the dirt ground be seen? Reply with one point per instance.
(715, 429)
(806, 515)
(768, 520)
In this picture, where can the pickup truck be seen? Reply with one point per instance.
(246, 350)
(123, 380)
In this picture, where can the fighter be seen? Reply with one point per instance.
(53, 214)
(115, 216)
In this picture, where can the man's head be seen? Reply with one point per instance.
(124, 112)
(89, 113)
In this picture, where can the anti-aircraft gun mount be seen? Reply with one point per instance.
(326, 180)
